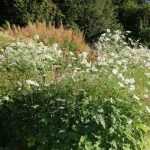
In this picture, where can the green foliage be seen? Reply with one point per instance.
(69, 45)
(71, 115)
(134, 16)
(24, 11)
(145, 36)
(91, 16)
(54, 98)
(145, 25)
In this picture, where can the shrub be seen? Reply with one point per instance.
(23, 11)
(91, 16)
(134, 16)
(71, 115)
(145, 36)
(56, 99)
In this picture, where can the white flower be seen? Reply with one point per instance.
(69, 65)
(114, 71)
(35, 106)
(74, 58)
(130, 121)
(59, 53)
(126, 81)
(108, 30)
(77, 69)
(132, 88)
(94, 69)
(31, 82)
(84, 61)
(112, 54)
(129, 81)
(6, 98)
(147, 109)
(121, 84)
(136, 97)
(55, 47)
(49, 57)
(36, 37)
(84, 54)
(128, 31)
(71, 53)
(120, 76)
(132, 81)
(1, 57)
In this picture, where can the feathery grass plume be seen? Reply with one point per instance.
(48, 34)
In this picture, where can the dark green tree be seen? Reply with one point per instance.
(134, 15)
(23, 11)
(90, 16)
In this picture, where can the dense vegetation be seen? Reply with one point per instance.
(134, 15)
(59, 93)
(92, 17)
(54, 97)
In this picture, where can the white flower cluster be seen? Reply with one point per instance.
(30, 56)
(128, 64)
(33, 83)
(115, 60)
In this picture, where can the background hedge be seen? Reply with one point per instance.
(92, 17)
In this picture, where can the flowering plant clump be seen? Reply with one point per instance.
(130, 65)
(62, 99)
(21, 61)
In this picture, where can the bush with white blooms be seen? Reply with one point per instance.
(60, 99)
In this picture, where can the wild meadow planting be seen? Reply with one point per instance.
(74, 75)
(61, 95)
